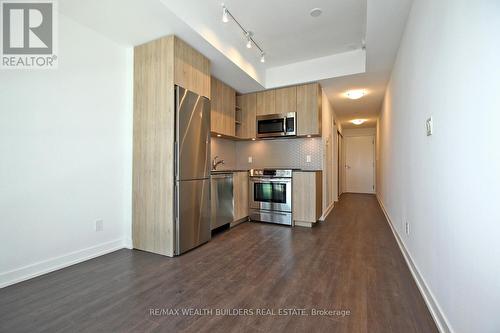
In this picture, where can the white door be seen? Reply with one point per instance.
(359, 164)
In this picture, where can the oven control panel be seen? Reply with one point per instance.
(278, 173)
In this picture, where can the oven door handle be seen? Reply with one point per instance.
(271, 180)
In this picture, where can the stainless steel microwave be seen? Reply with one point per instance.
(277, 125)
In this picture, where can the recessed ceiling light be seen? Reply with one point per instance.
(358, 121)
(315, 12)
(355, 94)
(218, 135)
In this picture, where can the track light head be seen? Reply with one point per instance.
(225, 16)
(262, 57)
(249, 35)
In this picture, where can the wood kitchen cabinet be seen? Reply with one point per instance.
(304, 99)
(191, 68)
(245, 129)
(216, 115)
(266, 102)
(285, 100)
(240, 195)
(159, 65)
(307, 197)
(309, 109)
(223, 105)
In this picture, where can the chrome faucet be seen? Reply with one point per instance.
(215, 163)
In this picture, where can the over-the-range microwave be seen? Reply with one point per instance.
(277, 125)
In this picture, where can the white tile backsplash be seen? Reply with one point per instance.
(280, 153)
(226, 150)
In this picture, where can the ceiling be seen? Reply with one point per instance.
(299, 48)
(366, 107)
(288, 33)
(386, 20)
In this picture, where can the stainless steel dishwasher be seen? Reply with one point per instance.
(222, 199)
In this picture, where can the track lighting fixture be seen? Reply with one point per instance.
(250, 42)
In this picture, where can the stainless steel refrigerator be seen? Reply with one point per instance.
(192, 170)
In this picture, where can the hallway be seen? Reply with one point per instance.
(350, 262)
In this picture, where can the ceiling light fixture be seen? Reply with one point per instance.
(315, 12)
(355, 94)
(249, 39)
(358, 121)
(226, 14)
(225, 17)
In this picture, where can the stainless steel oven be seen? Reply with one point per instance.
(277, 125)
(270, 196)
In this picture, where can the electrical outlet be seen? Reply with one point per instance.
(407, 227)
(308, 158)
(250, 159)
(99, 225)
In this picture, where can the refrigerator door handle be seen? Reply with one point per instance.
(176, 160)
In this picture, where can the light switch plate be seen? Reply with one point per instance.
(308, 158)
(250, 159)
(429, 126)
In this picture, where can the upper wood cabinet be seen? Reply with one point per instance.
(285, 100)
(309, 109)
(245, 128)
(266, 102)
(191, 68)
(305, 100)
(216, 114)
(223, 105)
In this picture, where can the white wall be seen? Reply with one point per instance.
(312, 70)
(330, 164)
(447, 186)
(65, 147)
(359, 132)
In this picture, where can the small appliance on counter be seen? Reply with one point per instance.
(270, 195)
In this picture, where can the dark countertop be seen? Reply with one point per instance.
(227, 171)
(243, 170)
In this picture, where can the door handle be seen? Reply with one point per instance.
(347, 166)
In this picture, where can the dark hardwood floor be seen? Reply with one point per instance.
(350, 262)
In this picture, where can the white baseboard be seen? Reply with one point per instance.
(437, 314)
(46, 266)
(127, 243)
(327, 211)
